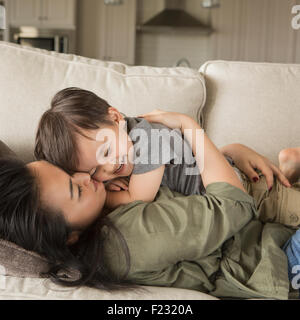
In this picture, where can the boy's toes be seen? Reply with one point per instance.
(284, 156)
(290, 155)
(289, 163)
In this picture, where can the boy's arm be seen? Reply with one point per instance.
(216, 167)
(142, 187)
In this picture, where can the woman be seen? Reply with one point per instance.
(191, 242)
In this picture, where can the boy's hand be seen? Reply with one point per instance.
(137, 189)
(173, 120)
(117, 184)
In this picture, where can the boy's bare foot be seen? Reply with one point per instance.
(289, 163)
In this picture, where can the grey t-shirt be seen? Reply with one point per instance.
(156, 145)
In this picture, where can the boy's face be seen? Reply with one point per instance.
(107, 152)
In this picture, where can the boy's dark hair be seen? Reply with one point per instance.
(72, 109)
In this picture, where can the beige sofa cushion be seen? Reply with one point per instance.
(19, 262)
(20, 279)
(257, 104)
(30, 77)
(44, 289)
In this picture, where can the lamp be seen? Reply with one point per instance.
(2, 17)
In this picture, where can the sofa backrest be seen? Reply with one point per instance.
(257, 104)
(30, 77)
(252, 103)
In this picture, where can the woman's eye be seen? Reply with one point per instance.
(79, 191)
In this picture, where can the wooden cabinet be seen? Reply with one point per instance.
(28, 12)
(117, 29)
(59, 13)
(43, 13)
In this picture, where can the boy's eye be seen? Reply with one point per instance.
(106, 152)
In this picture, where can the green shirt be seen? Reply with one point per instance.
(211, 243)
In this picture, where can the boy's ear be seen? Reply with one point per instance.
(115, 115)
(73, 238)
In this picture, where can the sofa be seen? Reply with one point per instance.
(235, 102)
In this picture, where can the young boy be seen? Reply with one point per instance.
(149, 154)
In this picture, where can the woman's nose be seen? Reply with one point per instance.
(82, 178)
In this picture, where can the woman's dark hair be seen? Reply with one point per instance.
(72, 109)
(25, 221)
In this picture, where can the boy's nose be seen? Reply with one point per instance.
(82, 178)
(102, 174)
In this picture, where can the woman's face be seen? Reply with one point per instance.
(78, 197)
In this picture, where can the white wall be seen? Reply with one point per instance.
(88, 28)
(253, 30)
(256, 30)
(167, 49)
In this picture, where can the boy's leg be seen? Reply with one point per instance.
(281, 204)
(289, 163)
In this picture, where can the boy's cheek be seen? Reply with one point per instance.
(129, 169)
